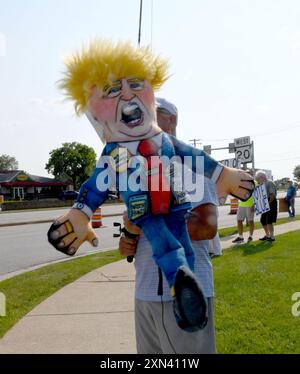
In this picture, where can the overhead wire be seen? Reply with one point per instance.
(255, 135)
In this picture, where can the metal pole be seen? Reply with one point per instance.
(253, 164)
(140, 22)
(195, 142)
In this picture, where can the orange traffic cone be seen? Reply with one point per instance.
(234, 204)
(97, 219)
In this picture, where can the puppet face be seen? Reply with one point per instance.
(125, 110)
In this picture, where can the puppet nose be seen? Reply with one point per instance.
(127, 94)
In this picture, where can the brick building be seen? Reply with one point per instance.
(17, 184)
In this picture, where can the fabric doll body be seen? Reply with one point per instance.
(166, 232)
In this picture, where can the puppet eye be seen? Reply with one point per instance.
(136, 84)
(112, 91)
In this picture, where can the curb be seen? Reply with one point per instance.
(47, 221)
(36, 267)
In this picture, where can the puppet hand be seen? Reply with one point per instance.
(68, 232)
(234, 182)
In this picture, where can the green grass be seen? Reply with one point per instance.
(27, 290)
(227, 231)
(254, 284)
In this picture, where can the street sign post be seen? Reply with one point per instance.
(244, 149)
(231, 148)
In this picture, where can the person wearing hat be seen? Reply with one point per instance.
(113, 84)
(155, 326)
(166, 114)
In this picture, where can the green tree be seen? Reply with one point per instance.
(282, 184)
(297, 173)
(72, 161)
(8, 163)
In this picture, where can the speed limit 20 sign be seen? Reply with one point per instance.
(244, 154)
(243, 149)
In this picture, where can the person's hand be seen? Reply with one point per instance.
(69, 231)
(202, 222)
(129, 226)
(127, 246)
(234, 182)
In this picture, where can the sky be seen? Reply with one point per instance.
(235, 71)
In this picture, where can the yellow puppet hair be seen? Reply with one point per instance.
(102, 62)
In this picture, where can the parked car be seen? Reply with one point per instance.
(68, 195)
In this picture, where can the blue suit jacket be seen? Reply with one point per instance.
(95, 190)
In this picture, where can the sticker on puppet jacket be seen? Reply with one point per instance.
(120, 158)
(137, 206)
(176, 173)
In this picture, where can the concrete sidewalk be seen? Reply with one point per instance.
(92, 315)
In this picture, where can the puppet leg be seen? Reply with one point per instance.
(176, 223)
(167, 250)
(189, 303)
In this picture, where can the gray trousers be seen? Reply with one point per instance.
(157, 331)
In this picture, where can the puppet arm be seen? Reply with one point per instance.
(228, 181)
(69, 231)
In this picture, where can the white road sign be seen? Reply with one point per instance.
(244, 154)
(240, 142)
(231, 163)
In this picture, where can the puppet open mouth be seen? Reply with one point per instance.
(131, 114)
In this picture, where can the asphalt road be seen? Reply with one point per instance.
(25, 246)
(15, 217)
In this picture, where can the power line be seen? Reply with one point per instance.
(282, 159)
(288, 127)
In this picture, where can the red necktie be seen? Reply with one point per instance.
(158, 185)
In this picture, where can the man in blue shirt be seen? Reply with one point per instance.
(290, 198)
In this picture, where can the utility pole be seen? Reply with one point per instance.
(140, 23)
(253, 162)
(195, 142)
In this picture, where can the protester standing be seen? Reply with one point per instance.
(269, 218)
(290, 199)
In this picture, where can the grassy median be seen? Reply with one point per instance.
(228, 231)
(254, 284)
(27, 290)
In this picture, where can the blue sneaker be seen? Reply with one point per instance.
(189, 303)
